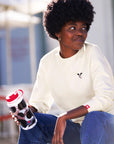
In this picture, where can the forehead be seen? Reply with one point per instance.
(80, 23)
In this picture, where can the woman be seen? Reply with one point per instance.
(77, 77)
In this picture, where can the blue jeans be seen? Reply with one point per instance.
(97, 128)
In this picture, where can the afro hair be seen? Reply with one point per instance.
(59, 12)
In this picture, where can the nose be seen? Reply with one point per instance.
(79, 32)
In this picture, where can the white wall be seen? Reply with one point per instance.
(101, 32)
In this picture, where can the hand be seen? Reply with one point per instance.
(59, 131)
(33, 109)
(14, 118)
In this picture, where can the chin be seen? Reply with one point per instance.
(78, 48)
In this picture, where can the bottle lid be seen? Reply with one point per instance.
(14, 97)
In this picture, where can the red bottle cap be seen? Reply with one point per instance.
(17, 94)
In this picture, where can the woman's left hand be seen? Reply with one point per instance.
(59, 131)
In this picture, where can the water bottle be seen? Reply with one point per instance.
(20, 109)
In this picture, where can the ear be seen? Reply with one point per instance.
(57, 35)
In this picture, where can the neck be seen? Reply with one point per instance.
(67, 53)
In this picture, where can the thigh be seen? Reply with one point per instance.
(97, 128)
(42, 132)
(109, 128)
(72, 133)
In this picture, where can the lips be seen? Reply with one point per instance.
(79, 39)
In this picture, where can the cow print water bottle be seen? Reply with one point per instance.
(20, 109)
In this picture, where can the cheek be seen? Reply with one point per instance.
(66, 37)
(85, 35)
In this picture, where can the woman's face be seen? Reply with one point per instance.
(71, 38)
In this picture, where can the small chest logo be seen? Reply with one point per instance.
(80, 75)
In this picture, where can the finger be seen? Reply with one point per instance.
(57, 138)
(15, 119)
(54, 140)
(18, 123)
(13, 116)
(61, 140)
(10, 112)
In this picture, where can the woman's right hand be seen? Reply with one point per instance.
(33, 109)
(14, 118)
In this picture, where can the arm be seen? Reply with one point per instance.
(103, 82)
(41, 98)
(75, 113)
(61, 123)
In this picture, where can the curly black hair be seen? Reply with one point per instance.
(59, 12)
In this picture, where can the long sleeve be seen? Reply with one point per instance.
(103, 83)
(41, 97)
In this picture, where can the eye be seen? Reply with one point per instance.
(84, 28)
(72, 28)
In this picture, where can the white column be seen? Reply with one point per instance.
(8, 55)
(32, 45)
(32, 52)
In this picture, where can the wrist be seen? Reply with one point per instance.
(33, 109)
(63, 116)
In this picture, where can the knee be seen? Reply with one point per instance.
(93, 115)
(109, 123)
(99, 117)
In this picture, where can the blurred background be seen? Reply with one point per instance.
(23, 41)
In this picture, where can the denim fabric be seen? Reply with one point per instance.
(97, 128)
(42, 133)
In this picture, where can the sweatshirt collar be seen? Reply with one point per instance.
(83, 49)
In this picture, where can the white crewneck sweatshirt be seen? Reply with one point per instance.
(83, 79)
